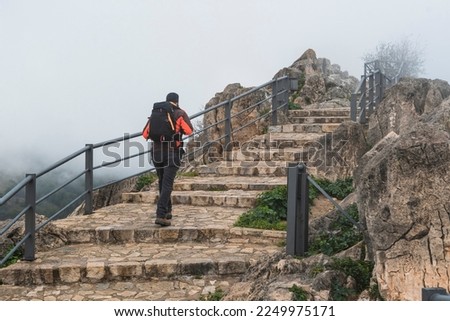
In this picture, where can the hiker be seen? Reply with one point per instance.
(167, 153)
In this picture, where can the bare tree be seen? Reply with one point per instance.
(403, 58)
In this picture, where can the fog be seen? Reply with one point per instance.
(76, 71)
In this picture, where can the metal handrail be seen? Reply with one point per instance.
(298, 208)
(370, 95)
(16, 189)
(57, 189)
(62, 162)
(30, 181)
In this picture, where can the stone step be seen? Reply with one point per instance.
(185, 287)
(304, 128)
(134, 223)
(323, 112)
(248, 168)
(228, 198)
(268, 154)
(227, 183)
(319, 120)
(281, 140)
(90, 263)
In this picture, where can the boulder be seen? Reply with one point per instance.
(336, 155)
(320, 82)
(404, 104)
(402, 190)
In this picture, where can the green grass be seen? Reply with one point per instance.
(188, 174)
(215, 296)
(341, 235)
(14, 258)
(359, 270)
(270, 211)
(145, 180)
(298, 293)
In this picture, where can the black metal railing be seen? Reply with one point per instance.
(370, 91)
(276, 94)
(435, 294)
(298, 181)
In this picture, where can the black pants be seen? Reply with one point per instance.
(167, 163)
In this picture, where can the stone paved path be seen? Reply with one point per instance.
(118, 253)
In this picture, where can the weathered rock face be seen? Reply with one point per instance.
(242, 117)
(321, 84)
(337, 154)
(402, 187)
(109, 195)
(48, 237)
(404, 104)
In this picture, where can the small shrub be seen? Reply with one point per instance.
(339, 189)
(341, 236)
(339, 292)
(294, 106)
(215, 296)
(14, 258)
(145, 180)
(360, 270)
(270, 211)
(261, 217)
(374, 293)
(316, 270)
(276, 200)
(188, 174)
(298, 293)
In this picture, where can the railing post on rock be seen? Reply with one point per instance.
(435, 294)
(280, 96)
(298, 210)
(89, 179)
(228, 129)
(30, 219)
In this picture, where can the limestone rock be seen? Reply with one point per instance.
(403, 105)
(243, 117)
(337, 154)
(320, 81)
(403, 199)
(48, 237)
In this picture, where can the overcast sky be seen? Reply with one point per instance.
(83, 71)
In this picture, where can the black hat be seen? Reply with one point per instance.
(173, 97)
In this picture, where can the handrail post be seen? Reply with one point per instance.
(363, 102)
(298, 210)
(275, 89)
(371, 95)
(286, 88)
(89, 179)
(435, 294)
(30, 219)
(378, 89)
(228, 107)
(353, 108)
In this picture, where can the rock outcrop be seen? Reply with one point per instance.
(321, 85)
(402, 187)
(337, 154)
(241, 114)
(403, 106)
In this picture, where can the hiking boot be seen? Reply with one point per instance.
(168, 216)
(162, 221)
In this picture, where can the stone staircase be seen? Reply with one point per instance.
(118, 253)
